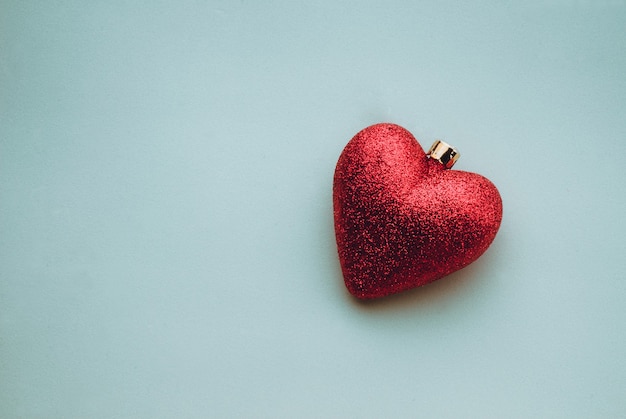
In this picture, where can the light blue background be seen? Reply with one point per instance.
(166, 237)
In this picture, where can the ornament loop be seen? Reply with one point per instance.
(444, 153)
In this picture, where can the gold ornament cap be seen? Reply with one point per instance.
(444, 153)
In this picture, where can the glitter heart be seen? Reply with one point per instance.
(402, 219)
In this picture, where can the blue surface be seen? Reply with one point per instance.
(167, 246)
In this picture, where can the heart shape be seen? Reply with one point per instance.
(402, 220)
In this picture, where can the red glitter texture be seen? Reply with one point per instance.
(401, 219)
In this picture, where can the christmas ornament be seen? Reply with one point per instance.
(402, 218)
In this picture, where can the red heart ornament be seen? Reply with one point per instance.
(402, 219)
